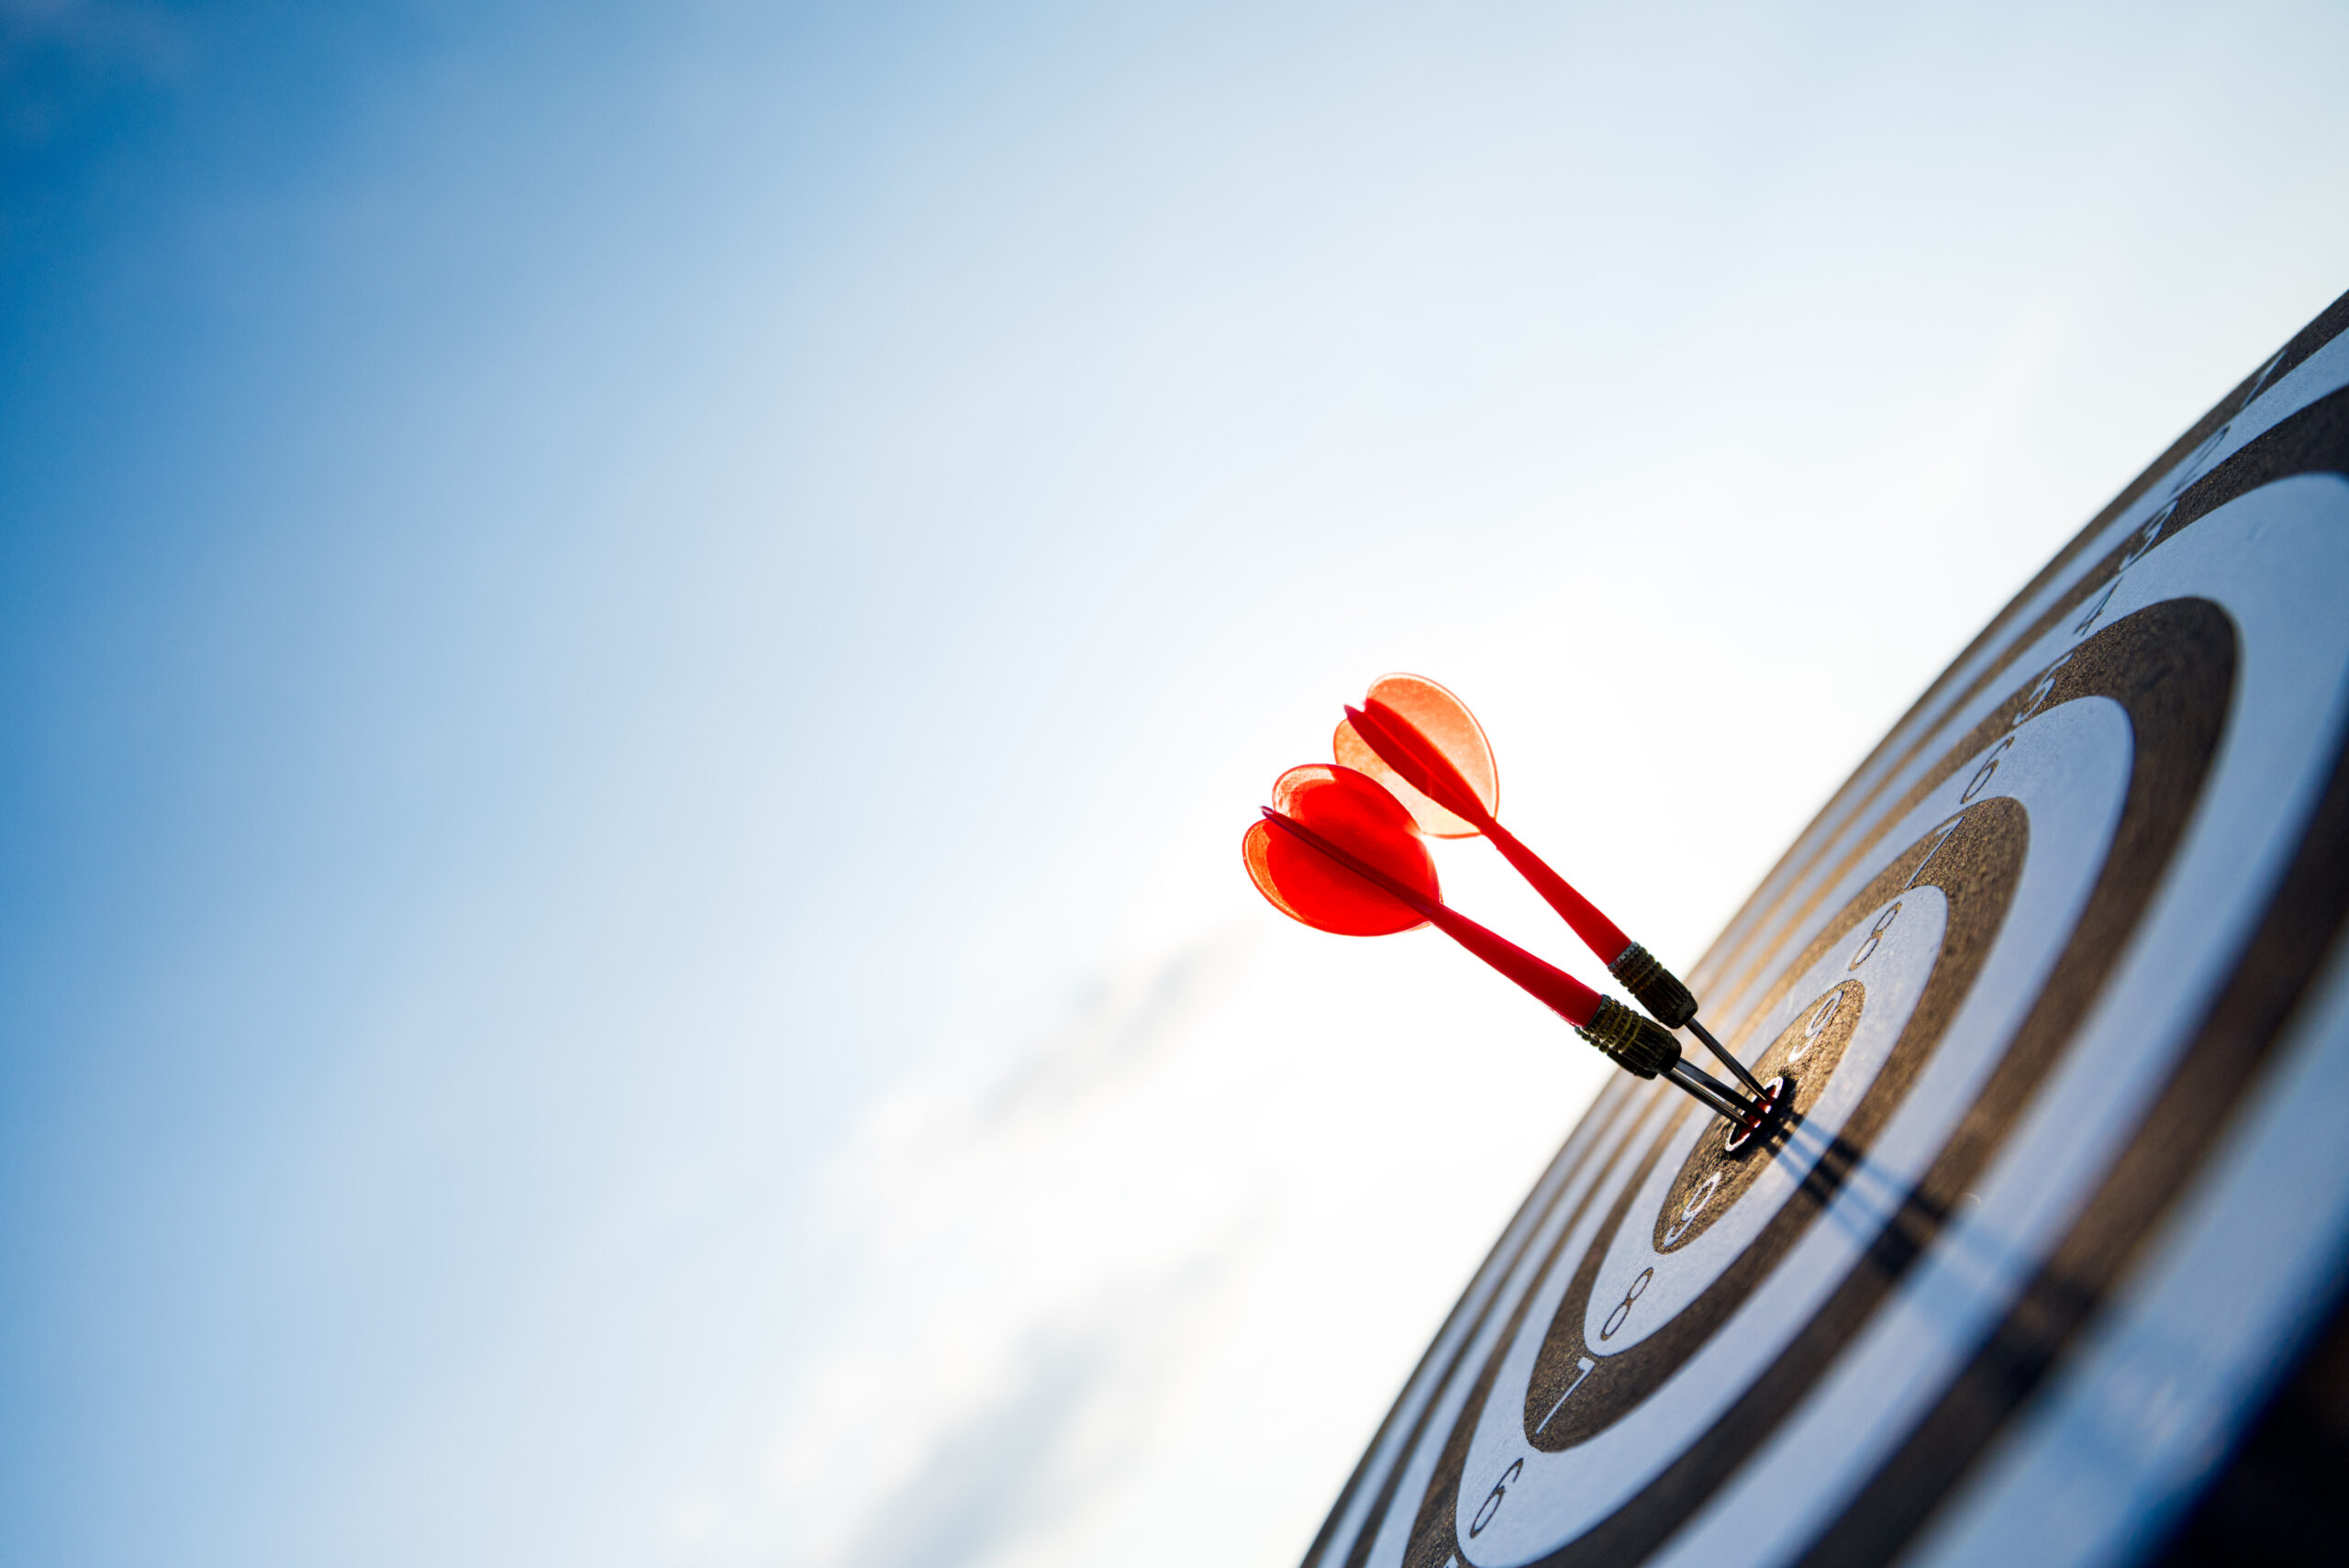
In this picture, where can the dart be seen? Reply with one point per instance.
(1424, 745)
(1340, 854)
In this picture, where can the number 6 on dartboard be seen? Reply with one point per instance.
(1492, 1503)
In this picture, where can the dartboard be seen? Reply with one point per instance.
(2058, 979)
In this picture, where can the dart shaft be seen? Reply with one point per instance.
(1421, 763)
(1602, 936)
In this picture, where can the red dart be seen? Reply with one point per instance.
(1337, 853)
(1424, 745)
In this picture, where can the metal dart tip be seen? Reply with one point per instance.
(1713, 1094)
(1752, 1084)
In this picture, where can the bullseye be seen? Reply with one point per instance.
(1777, 1095)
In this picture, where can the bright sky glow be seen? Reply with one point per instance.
(635, 642)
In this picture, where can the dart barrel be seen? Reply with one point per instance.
(1657, 989)
(1635, 1044)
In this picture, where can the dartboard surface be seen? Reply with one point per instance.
(2058, 979)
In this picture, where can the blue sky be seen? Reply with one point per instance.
(636, 640)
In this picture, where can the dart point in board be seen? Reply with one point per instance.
(1421, 742)
(1339, 852)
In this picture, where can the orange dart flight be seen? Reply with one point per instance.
(1424, 745)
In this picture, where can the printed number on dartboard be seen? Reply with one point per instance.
(1817, 1023)
(1492, 1503)
(1701, 1194)
(1623, 1308)
(1875, 936)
